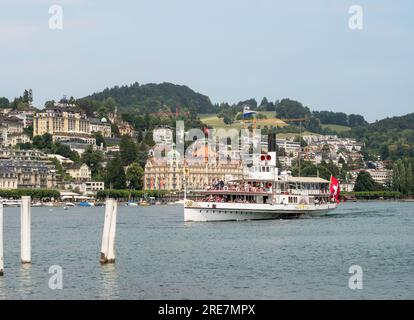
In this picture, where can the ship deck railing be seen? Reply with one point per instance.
(234, 191)
(261, 191)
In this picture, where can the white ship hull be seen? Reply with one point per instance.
(206, 211)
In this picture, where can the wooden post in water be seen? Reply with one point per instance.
(1, 241)
(108, 237)
(112, 231)
(25, 230)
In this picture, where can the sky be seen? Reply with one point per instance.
(229, 50)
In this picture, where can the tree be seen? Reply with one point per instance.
(134, 176)
(264, 102)
(30, 97)
(43, 142)
(313, 124)
(329, 117)
(29, 130)
(403, 185)
(93, 158)
(59, 168)
(4, 102)
(355, 120)
(67, 152)
(409, 178)
(100, 140)
(227, 119)
(402, 179)
(289, 109)
(115, 174)
(265, 105)
(384, 151)
(364, 182)
(25, 146)
(149, 138)
(50, 104)
(128, 150)
(114, 129)
(72, 100)
(252, 103)
(26, 96)
(22, 105)
(142, 154)
(109, 104)
(396, 176)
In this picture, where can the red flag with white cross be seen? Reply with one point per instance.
(335, 188)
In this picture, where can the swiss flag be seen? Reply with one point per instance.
(334, 188)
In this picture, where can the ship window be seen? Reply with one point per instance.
(293, 200)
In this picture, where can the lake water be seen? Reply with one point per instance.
(160, 257)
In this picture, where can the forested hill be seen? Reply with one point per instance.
(149, 98)
(401, 122)
(391, 138)
(168, 98)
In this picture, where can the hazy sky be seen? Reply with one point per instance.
(230, 50)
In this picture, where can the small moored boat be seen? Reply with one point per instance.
(86, 204)
(11, 203)
(144, 203)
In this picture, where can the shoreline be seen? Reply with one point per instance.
(378, 200)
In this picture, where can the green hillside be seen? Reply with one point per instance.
(391, 138)
(336, 127)
(269, 120)
(149, 98)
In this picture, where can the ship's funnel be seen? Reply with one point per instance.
(271, 142)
